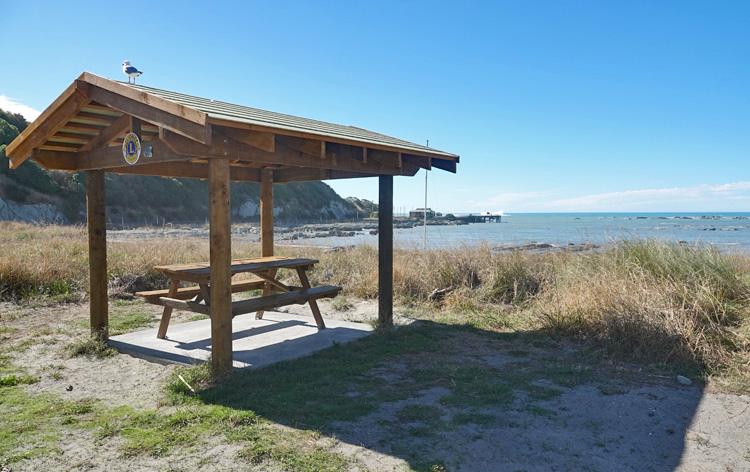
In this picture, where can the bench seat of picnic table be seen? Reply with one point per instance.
(186, 293)
(268, 302)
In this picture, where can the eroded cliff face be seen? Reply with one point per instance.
(30, 212)
(249, 209)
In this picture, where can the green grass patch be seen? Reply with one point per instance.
(130, 320)
(341, 303)
(537, 392)
(5, 362)
(421, 413)
(11, 380)
(329, 377)
(290, 456)
(7, 330)
(125, 318)
(481, 419)
(348, 381)
(477, 386)
(540, 411)
(90, 346)
(30, 424)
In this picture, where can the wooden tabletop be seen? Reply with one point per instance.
(202, 270)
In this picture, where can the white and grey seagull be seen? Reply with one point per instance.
(130, 71)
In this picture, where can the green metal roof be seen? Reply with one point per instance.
(254, 116)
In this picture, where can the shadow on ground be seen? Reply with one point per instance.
(465, 399)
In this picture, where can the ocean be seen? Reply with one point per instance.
(726, 231)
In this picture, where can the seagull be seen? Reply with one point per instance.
(130, 71)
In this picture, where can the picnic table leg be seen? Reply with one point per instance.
(313, 304)
(267, 289)
(205, 294)
(166, 315)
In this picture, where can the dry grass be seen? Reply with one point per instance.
(642, 300)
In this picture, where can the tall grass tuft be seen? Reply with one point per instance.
(652, 301)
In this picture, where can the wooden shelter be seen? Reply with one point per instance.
(187, 136)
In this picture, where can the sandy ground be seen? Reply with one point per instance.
(654, 425)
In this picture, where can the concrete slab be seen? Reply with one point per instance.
(256, 343)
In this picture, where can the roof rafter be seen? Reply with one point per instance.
(189, 128)
(108, 134)
(51, 119)
(185, 169)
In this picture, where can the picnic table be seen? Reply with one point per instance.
(259, 273)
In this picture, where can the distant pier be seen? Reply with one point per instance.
(485, 217)
(433, 217)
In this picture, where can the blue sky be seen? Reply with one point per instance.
(553, 106)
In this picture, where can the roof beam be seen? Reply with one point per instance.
(288, 154)
(419, 161)
(371, 144)
(450, 166)
(340, 157)
(263, 141)
(62, 147)
(168, 106)
(186, 170)
(55, 159)
(196, 131)
(105, 158)
(51, 119)
(298, 175)
(88, 130)
(111, 157)
(68, 138)
(93, 119)
(120, 125)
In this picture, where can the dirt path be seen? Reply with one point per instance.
(475, 402)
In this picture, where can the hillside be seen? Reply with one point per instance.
(31, 193)
(363, 206)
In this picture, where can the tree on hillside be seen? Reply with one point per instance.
(7, 132)
(11, 124)
(15, 119)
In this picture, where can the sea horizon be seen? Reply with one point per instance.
(726, 230)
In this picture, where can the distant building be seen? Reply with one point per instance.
(419, 213)
(485, 216)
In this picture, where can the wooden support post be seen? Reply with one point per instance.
(135, 126)
(266, 212)
(97, 226)
(221, 259)
(266, 226)
(385, 251)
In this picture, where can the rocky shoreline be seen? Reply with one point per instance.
(281, 232)
(284, 235)
(339, 230)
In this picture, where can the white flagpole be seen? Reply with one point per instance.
(424, 212)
